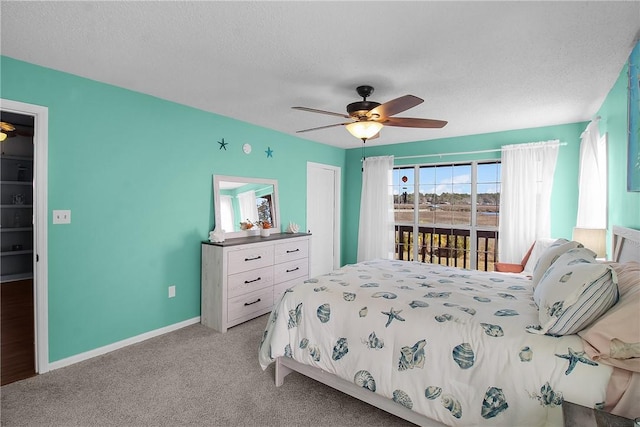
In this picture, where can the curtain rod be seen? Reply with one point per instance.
(457, 154)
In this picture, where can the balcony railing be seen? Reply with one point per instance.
(447, 246)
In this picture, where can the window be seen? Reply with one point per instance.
(448, 213)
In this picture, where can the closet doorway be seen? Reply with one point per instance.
(323, 217)
(23, 228)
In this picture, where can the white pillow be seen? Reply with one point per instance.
(549, 256)
(574, 292)
(538, 248)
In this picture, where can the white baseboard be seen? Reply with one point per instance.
(121, 344)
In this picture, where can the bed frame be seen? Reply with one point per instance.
(625, 246)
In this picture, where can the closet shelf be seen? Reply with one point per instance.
(20, 158)
(14, 253)
(29, 183)
(15, 277)
(15, 229)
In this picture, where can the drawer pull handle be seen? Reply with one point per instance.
(296, 250)
(251, 281)
(250, 303)
(254, 258)
(297, 268)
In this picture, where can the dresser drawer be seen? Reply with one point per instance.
(244, 305)
(291, 270)
(249, 281)
(250, 259)
(289, 251)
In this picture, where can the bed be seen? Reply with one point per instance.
(437, 345)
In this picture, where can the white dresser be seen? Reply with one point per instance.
(245, 277)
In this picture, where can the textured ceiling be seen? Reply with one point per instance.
(483, 66)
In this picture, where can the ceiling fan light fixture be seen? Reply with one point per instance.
(5, 127)
(364, 129)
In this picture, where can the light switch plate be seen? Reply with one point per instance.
(62, 216)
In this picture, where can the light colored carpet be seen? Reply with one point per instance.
(193, 376)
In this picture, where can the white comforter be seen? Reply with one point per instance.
(448, 343)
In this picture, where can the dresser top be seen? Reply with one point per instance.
(255, 239)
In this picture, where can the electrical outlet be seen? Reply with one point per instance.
(172, 291)
(62, 217)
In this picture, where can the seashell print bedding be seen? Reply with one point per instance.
(448, 343)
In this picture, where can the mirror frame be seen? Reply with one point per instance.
(216, 202)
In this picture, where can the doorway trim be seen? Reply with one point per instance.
(40, 116)
(337, 241)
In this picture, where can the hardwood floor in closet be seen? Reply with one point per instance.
(17, 352)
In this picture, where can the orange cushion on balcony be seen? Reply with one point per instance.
(505, 267)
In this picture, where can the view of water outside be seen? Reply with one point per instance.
(444, 202)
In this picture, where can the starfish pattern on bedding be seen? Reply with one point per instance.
(392, 315)
(574, 357)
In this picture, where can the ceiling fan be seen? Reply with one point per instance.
(368, 117)
(5, 128)
(9, 130)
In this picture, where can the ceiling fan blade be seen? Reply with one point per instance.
(322, 127)
(395, 106)
(7, 127)
(408, 122)
(314, 110)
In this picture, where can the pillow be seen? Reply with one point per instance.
(538, 248)
(548, 257)
(572, 256)
(614, 339)
(573, 293)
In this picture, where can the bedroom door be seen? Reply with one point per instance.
(323, 217)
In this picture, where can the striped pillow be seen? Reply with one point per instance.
(574, 292)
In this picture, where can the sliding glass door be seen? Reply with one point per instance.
(448, 213)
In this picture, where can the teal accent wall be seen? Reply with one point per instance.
(564, 198)
(624, 206)
(136, 172)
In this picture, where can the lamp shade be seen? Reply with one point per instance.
(364, 129)
(592, 238)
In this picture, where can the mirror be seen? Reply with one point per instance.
(239, 200)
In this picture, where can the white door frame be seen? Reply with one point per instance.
(40, 222)
(336, 212)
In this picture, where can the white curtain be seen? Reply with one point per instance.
(525, 198)
(592, 182)
(376, 235)
(226, 213)
(248, 207)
